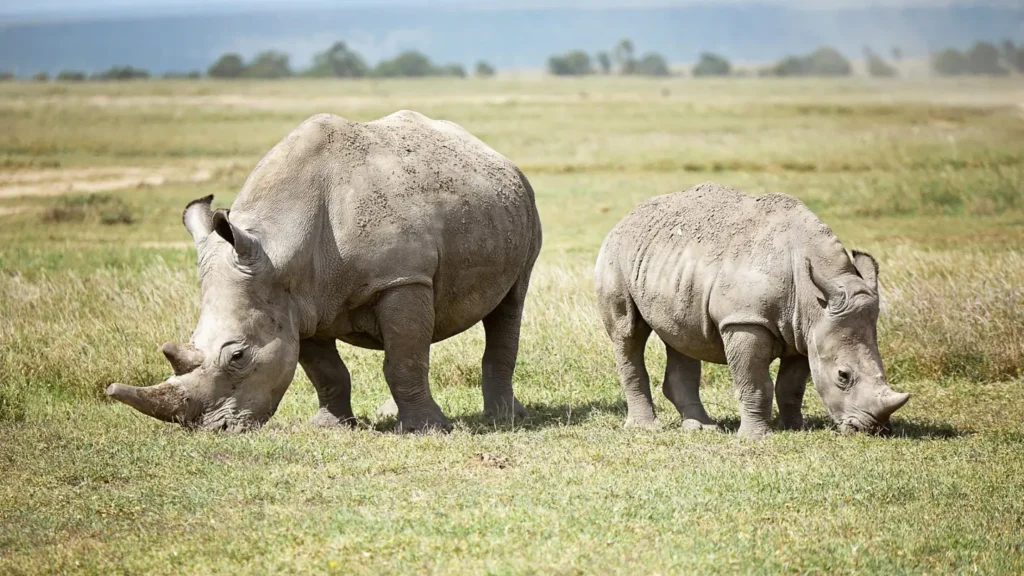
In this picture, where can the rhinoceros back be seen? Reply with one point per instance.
(362, 207)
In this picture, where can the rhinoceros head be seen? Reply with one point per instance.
(244, 351)
(843, 349)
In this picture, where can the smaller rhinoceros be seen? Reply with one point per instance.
(733, 279)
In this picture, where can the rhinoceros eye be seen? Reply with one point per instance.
(234, 358)
(845, 378)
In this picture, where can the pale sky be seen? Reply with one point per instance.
(85, 7)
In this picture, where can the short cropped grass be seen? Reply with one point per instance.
(926, 176)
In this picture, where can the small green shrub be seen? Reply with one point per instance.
(950, 62)
(123, 73)
(270, 64)
(338, 61)
(877, 66)
(190, 75)
(825, 61)
(227, 66)
(712, 65)
(983, 59)
(71, 76)
(652, 64)
(484, 69)
(573, 63)
(416, 65)
(90, 208)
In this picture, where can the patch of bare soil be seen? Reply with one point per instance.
(7, 210)
(175, 245)
(488, 460)
(90, 180)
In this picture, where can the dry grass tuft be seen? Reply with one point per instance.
(73, 334)
(953, 315)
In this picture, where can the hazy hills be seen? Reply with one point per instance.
(508, 37)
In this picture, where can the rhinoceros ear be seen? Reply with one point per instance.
(198, 218)
(867, 267)
(247, 246)
(833, 297)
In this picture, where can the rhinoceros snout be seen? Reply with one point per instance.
(231, 422)
(876, 419)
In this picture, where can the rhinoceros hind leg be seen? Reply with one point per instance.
(749, 352)
(331, 380)
(682, 387)
(789, 391)
(405, 316)
(629, 332)
(501, 329)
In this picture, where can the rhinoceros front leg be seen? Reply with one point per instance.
(789, 391)
(331, 380)
(405, 316)
(682, 387)
(501, 329)
(749, 352)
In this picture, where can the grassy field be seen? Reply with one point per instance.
(96, 271)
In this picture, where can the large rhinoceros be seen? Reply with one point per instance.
(733, 279)
(391, 235)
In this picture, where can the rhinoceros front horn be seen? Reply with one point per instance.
(163, 401)
(890, 402)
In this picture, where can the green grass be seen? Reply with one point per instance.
(929, 177)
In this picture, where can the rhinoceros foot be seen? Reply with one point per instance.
(426, 416)
(501, 411)
(645, 424)
(753, 432)
(691, 425)
(420, 424)
(426, 419)
(325, 419)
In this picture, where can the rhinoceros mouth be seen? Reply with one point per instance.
(864, 423)
(226, 418)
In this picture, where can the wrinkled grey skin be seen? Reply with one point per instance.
(390, 235)
(733, 279)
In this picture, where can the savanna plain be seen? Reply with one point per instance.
(96, 271)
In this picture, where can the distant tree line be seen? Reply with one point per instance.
(825, 61)
(337, 61)
(340, 61)
(984, 58)
(113, 73)
(621, 60)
